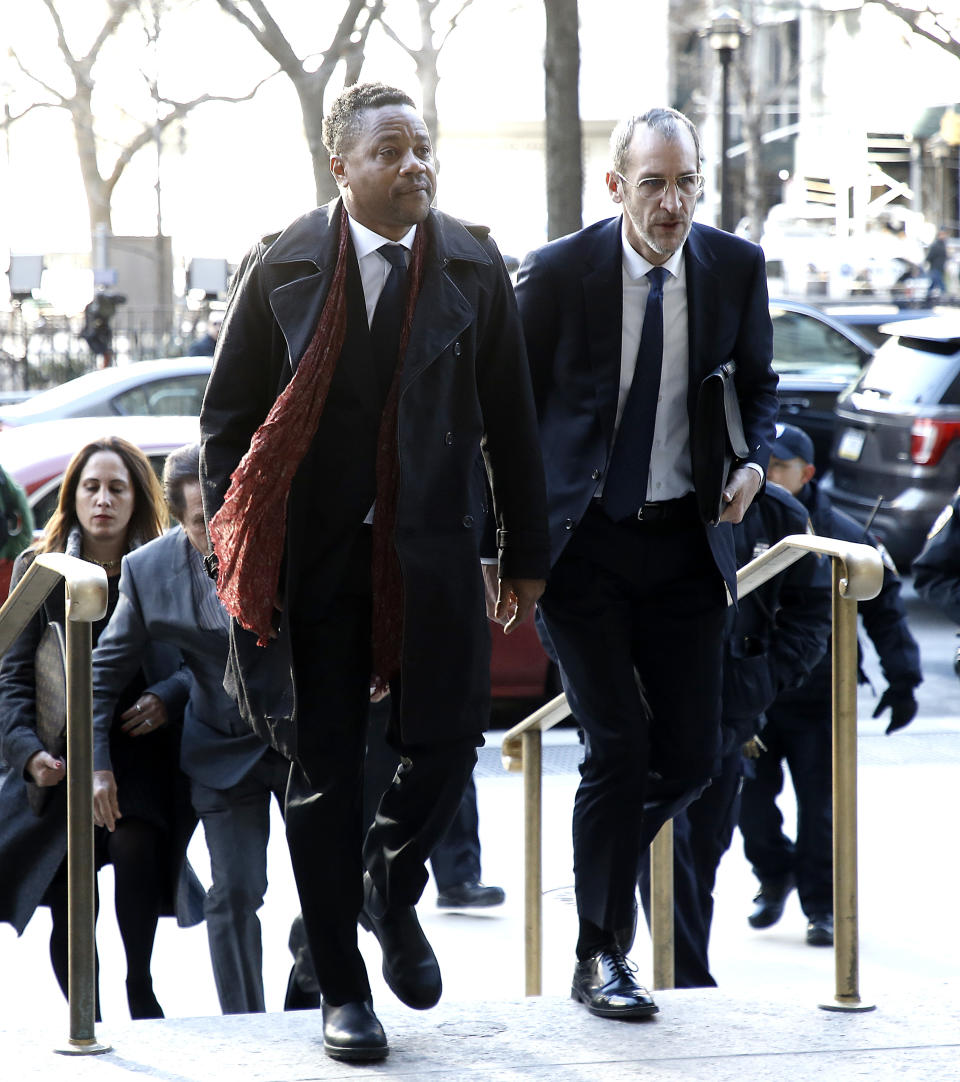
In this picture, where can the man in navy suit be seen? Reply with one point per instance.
(166, 596)
(623, 320)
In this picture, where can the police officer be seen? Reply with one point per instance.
(799, 724)
(774, 639)
(936, 571)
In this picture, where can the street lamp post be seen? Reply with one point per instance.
(725, 31)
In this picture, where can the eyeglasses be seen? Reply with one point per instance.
(689, 185)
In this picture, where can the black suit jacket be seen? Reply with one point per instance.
(570, 294)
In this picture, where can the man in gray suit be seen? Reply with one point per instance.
(165, 595)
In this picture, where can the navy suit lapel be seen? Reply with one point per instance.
(603, 304)
(703, 300)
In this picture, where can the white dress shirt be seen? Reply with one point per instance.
(671, 473)
(374, 267)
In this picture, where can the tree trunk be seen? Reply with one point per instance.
(752, 125)
(310, 91)
(564, 157)
(96, 189)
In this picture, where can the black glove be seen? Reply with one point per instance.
(903, 707)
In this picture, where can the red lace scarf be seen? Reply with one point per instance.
(248, 531)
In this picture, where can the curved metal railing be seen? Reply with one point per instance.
(86, 593)
(857, 576)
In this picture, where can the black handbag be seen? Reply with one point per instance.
(718, 440)
(50, 682)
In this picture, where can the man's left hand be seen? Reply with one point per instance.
(742, 485)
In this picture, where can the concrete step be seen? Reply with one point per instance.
(913, 1035)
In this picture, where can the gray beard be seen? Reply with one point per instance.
(660, 249)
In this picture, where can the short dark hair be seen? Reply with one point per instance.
(181, 467)
(344, 119)
(665, 121)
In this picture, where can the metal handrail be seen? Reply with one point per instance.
(857, 576)
(86, 601)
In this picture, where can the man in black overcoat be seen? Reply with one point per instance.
(460, 385)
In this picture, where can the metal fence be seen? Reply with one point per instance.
(39, 350)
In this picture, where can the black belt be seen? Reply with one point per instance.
(681, 511)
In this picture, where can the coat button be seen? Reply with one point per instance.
(448, 439)
(457, 349)
(468, 521)
(596, 475)
(568, 523)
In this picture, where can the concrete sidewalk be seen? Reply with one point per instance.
(699, 1035)
(761, 1023)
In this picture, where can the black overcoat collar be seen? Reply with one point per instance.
(443, 312)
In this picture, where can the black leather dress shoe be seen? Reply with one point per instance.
(353, 1032)
(770, 900)
(410, 967)
(820, 930)
(470, 896)
(604, 984)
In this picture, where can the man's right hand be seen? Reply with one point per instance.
(45, 770)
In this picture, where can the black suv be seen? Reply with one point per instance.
(816, 357)
(898, 435)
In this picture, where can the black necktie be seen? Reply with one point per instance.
(388, 315)
(626, 486)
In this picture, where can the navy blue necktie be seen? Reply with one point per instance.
(388, 315)
(625, 488)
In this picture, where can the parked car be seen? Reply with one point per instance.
(816, 357)
(873, 320)
(36, 455)
(897, 447)
(167, 387)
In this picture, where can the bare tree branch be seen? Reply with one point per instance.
(14, 117)
(118, 10)
(395, 37)
(347, 44)
(61, 100)
(452, 24)
(948, 37)
(61, 36)
(179, 109)
(426, 56)
(267, 33)
(79, 104)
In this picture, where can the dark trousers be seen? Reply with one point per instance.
(236, 824)
(324, 815)
(456, 857)
(702, 833)
(634, 614)
(801, 737)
